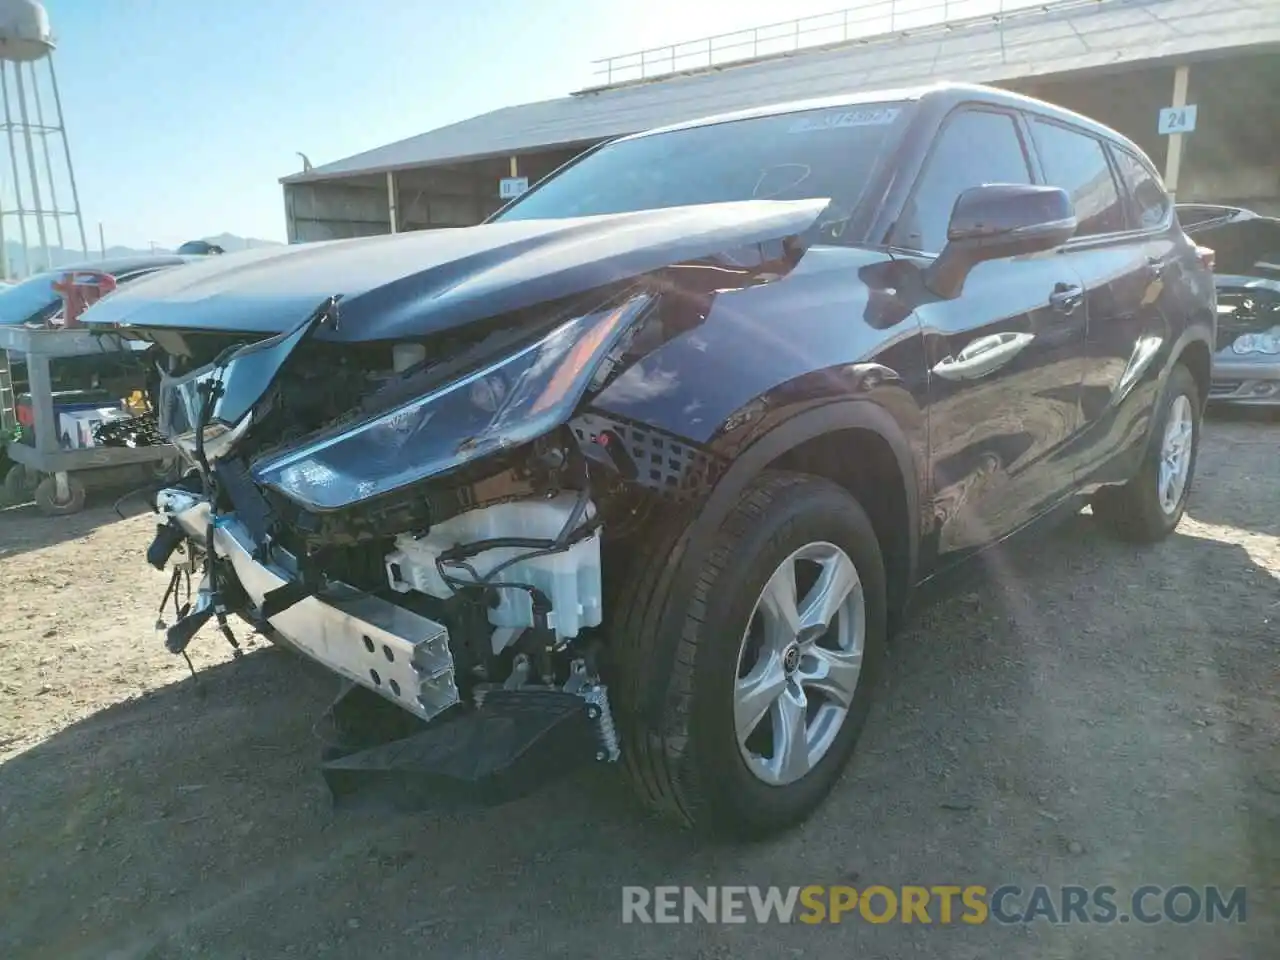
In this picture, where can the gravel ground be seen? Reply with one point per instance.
(1082, 712)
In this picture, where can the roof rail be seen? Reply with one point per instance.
(881, 19)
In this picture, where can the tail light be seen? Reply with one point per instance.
(1206, 256)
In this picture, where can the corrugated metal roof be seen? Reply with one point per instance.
(1065, 37)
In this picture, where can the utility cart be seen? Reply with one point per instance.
(55, 466)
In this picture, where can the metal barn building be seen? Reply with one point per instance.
(1120, 61)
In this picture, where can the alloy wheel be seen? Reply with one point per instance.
(799, 663)
(1175, 454)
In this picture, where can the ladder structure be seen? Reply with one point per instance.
(8, 401)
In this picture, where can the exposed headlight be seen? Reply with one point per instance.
(1266, 343)
(503, 405)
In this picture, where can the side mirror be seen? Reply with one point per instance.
(999, 220)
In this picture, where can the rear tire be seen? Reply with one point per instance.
(1148, 507)
(46, 497)
(694, 763)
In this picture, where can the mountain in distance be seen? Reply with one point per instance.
(231, 243)
(58, 256)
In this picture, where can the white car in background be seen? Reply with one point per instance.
(1246, 245)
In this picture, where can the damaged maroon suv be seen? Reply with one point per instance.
(646, 468)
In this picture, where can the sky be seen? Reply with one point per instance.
(182, 116)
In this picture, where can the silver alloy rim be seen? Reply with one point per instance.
(799, 663)
(1175, 454)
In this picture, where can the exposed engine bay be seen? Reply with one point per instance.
(427, 518)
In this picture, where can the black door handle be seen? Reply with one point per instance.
(1066, 297)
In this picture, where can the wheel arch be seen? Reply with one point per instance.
(1191, 350)
(1196, 356)
(814, 440)
(863, 461)
(808, 438)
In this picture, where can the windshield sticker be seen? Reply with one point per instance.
(867, 117)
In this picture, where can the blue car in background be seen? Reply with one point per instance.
(34, 301)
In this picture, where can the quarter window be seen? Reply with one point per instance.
(1076, 162)
(975, 147)
(1150, 202)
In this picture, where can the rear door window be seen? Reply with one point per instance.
(1076, 162)
(1148, 201)
(975, 147)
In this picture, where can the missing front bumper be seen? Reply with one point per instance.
(397, 654)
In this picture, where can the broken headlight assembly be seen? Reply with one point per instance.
(201, 422)
(502, 405)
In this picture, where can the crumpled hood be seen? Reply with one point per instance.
(425, 282)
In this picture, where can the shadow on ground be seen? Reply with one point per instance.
(1233, 488)
(25, 528)
(1085, 714)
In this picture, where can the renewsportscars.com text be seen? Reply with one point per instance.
(938, 904)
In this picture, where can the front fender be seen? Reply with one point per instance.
(744, 375)
(903, 432)
(679, 576)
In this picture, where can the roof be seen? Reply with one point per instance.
(949, 93)
(1064, 37)
(907, 94)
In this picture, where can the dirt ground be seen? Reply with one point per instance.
(1083, 713)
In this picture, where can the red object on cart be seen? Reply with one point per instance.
(81, 289)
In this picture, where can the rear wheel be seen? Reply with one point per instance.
(55, 502)
(770, 684)
(1149, 506)
(166, 470)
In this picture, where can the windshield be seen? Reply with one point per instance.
(826, 153)
(28, 299)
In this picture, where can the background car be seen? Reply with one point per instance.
(202, 248)
(34, 299)
(1246, 246)
(92, 380)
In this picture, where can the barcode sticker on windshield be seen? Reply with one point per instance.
(866, 117)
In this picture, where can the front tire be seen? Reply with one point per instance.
(771, 681)
(1148, 507)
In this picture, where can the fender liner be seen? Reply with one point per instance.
(692, 544)
(1197, 333)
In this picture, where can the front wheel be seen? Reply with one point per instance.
(772, 678)
(1148, 507)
